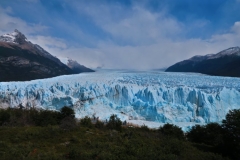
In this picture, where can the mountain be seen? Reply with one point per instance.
(224, 63)
(137, 97)
(21, 60)
(75, 66)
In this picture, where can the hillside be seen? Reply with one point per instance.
(21, 60)
(74, 65)
(224, 63)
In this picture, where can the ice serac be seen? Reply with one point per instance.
(182, 99)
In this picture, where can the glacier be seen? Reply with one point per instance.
(149, 98)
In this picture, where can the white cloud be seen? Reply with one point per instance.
(236, 27)
(151, 40)
(164, 52)
(137, 26)
(9, 23)
(48, 42)
(154, 38)
(161, 54)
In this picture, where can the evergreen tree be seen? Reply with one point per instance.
(114, 123)
(172, 131)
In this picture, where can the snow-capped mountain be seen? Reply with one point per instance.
(22, 60)
(224, 63)
(150, 98)
(74, 65)
(233, 51)
(19, 39)
(14, 37)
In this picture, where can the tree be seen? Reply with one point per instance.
(231, 126)
(114, 123)
(210, 134)
(172, 131)
(99, 124)
(224, 139)
(67, 112)
(47, 117)
(86, 121)
(4, 116)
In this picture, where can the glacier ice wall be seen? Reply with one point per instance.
(149, 96)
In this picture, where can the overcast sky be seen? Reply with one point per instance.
(135, 34)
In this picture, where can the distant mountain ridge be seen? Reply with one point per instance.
(74, 65)
(21, 60)
(224, 63)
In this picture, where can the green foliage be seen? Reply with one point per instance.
(86, 121)
(68, 123)
(99, 124)
(51, 142)
(210, 134)
(47, 117)
(231, 126)
(114, 123)
(17, 117)
(45, 137)
(67, 112)
(172, 131)
(27, 117)
(144, 127)
(223, 139)
(4, 117)
(196, 134)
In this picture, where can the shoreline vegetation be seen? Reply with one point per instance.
(45, 134)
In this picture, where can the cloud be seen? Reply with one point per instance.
(236, 27)
(9, 23)
(48, 42)
(163, 53)
(160, 54)
(136, 37)
(136, 26)
(144, 40)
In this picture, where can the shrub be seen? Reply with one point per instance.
(223, 139)
(67, 112)
(19, 117)
(68, 123)
(4, 116)
(99, 124)
(231, 126)
(172, 131)
(86, 121)
(114, 123)
(210, 134)
(46, 117)
(144, 128)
